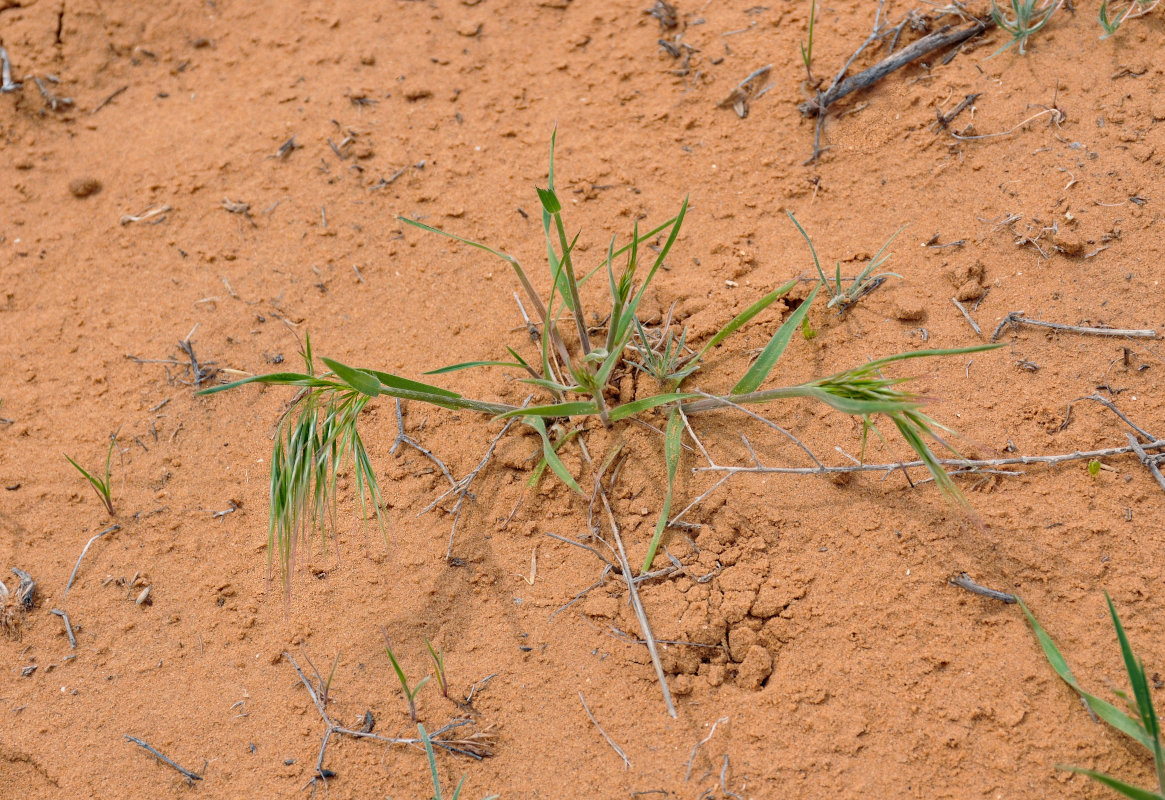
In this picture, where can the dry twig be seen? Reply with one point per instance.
(1016, 318)
(610, 741)
(77, 566)
(188, 774)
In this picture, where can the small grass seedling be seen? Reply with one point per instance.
(410, 694)
(863, 284)
(322, 686)
(1143, 728)
(1026, 19)
(807, 330)
(438, 657)
(101, 485)
(428, 742)
(807, 49)
(1136, 8)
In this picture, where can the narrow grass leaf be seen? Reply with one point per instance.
(540, 467)
(633, 306)
(743, 317)
(432, 761)
(281, 378)
(473, 364)
(878, 363)
(759, 371)
(551, 456)
(576, 408)
(1136, 672)
(813, 250)
(359, 380)
(1106, 711)
(1128, 790)
(397, 382)
(85, 472)
(553, 386)
(671, 452)
(647, 403)
(455, 237)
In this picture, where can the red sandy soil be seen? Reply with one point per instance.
(838, 659)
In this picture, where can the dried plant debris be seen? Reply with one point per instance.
(666, 14)
(15, 603)
(749, 89)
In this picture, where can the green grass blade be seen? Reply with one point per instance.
(396, 382)
(307, 359)
(1140, 683)
(637, 240)
(540, 467)
(455, 237)
(109, 457)
(552, 386)
(83, 471)
(759, 371)
(549, 200)
(400, 673)
(578, 408)
(551, 455)
(671, 452)
(743, 317)
(1106, 711)
(473, 364)
(911, 430)
(647, 403)
(633, 306)
(878, 363)
(361, 381)
(432, 760)
(420, 685)
(281, 378)
(1128, 790)
(812, 249)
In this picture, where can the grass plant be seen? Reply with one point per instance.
(866, 281)
(1027, 17)
(438, 657)
(1136, 8)
(410, 693)
(807, 49)
(428, 742)
(1142, 727)
(575, 371)
(102, 486)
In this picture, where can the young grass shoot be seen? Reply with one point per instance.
(410, 693)
(102, 486)
(428, 742)
(1028, 17)
(867, 281)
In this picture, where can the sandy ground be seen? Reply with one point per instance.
(146, 201)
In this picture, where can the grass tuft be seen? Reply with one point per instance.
(410, 692)
(863, 284)
(1136, 8)
(1027, 18)
(578, 366)
(102, 486)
